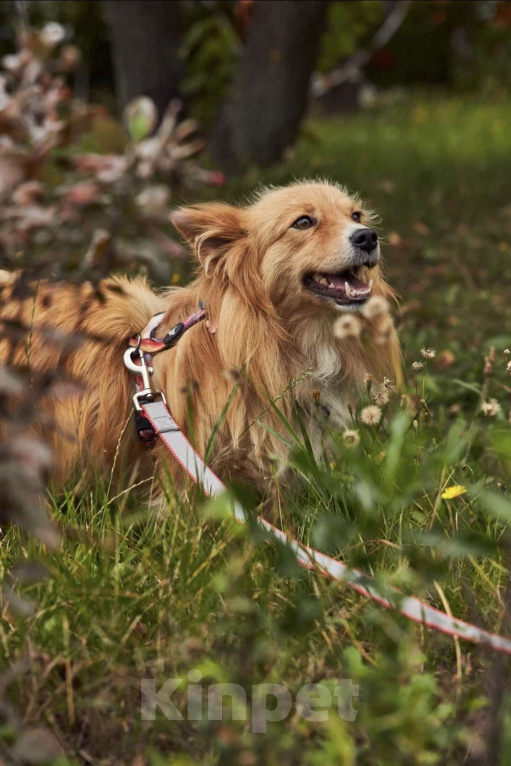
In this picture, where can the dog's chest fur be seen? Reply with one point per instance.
(328, 390)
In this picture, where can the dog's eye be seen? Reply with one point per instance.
(356, 217)
(304, 222)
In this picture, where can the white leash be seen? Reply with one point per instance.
(167, 430)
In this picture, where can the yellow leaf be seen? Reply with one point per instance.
(455, 491)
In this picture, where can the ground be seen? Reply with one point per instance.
(131, 597)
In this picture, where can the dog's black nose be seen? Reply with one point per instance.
(365, 239)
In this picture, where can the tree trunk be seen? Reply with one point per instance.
(262, 113)
(145, 43)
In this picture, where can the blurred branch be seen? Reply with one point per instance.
(322, 83)
(69, 172)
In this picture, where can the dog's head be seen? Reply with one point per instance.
(307, 245)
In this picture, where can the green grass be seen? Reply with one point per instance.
(134, 595)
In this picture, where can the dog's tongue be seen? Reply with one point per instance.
(339, 280)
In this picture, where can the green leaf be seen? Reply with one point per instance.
(496, 504)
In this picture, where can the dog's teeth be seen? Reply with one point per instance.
(347, 288)
(317, 277)
(324, 281)
(370, 285)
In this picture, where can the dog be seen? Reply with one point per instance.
(277, 275)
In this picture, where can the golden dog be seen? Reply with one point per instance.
(276, 276)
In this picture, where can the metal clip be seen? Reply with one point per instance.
(142, 369)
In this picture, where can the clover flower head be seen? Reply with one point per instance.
(376, 306)
(371, 415)
(347, 326)
(351, 437)
(381, 397)
(490, 408)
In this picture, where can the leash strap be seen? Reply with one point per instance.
(166, 428)
(159, 423)
(413, 608)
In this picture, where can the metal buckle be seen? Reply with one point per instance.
(147, 393)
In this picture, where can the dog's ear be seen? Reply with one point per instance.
(218, 234)
(211, 229)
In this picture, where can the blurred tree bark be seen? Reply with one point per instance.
(146, 35)
(262, 113)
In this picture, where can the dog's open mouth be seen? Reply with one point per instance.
(346, 287)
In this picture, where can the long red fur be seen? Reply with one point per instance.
(272, 340)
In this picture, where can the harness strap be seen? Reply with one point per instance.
(149, 346)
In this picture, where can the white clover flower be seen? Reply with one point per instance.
(381, 397)
(376, 306)
(490, 408)
(417, 366)
(351, 437)
(428, 353)
(347, 326)
(371, 415)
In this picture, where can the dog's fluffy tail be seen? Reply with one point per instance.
(63, 333)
